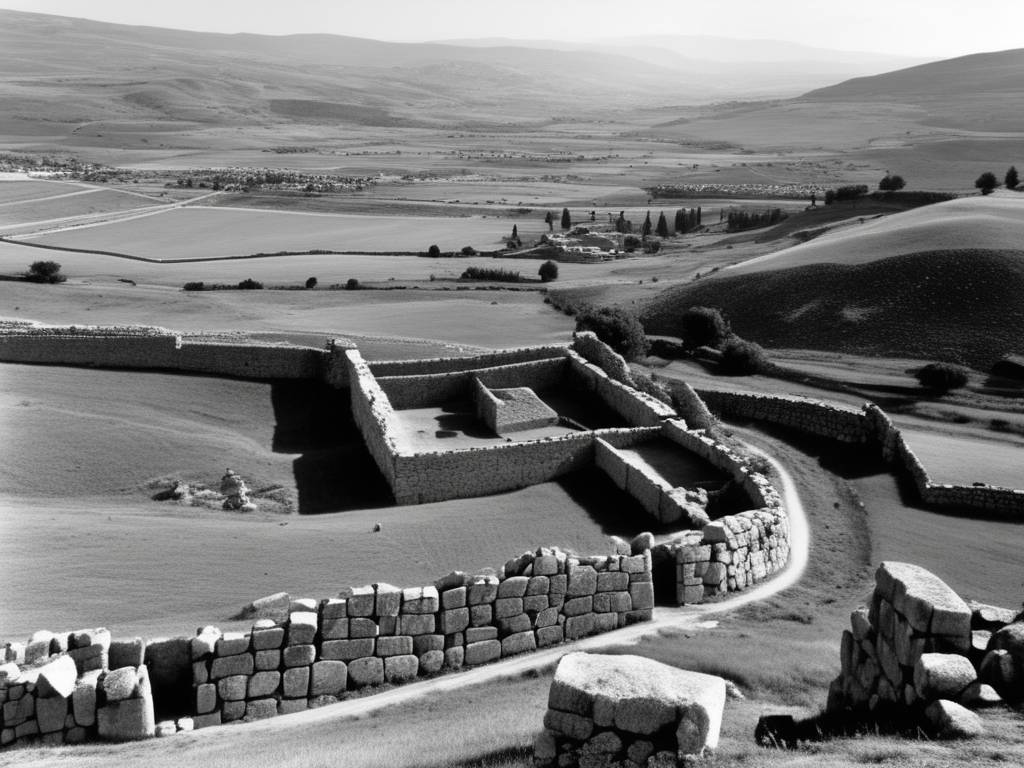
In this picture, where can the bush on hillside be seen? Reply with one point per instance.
(630, 243)
(942, 377)
(468, 250)
(195, 286)
(311, 283)
(352, 284)
(434, 252)
(44, 272)
(548, 271)
(619, 329)
(742, 358)
(250, 285)
(703, 327)
(892, 183)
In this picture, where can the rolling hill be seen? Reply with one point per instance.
(958, 305)
(987, 223)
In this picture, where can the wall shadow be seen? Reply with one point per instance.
(614, 510)
(335, 472)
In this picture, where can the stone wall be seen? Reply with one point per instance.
(812, 416)
(637, 408)
(81, 686)
(425, 390)
(373, 414)
(454, 364)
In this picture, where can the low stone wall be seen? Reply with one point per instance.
(637, 408)
(321, 651)
(425, 390)
(251, 361)
(373, 414)
(455, 364)
(812, 416)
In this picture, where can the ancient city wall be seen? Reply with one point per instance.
(80, 686)
(373, 414)
(425, 390)
(812, 416)
(455, 364)
(251, 361)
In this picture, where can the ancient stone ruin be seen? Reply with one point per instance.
(236, 493)
(629, 711)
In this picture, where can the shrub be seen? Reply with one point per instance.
(1012, 179)
(45, 272)
(942, 377)
(351, 284)
(488, 273)
(742, 358)
(250, 285)
(652, 246)
(631, 243)
(619, 329)
(468, 250)
(703, 327)
(566, 219)
(548, 271)
(310, 283)
(197, 286)
(434, 252)
(892, 183)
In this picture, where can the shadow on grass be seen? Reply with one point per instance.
(334, 471)
(506, 757)
(615, 511)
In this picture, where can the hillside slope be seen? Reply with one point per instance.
(960, 305)
(985, 223)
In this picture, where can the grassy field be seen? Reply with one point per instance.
(22, 190)
(16, 217)
(944, 456)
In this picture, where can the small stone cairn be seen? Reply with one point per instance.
(920, 655)
(236, 492)
(628, 711)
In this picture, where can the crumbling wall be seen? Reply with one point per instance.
(373, 415)
(637, 408)
(455, 364)
(812, 416)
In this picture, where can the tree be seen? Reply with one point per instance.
(892, 183)
(646, 229)
(311, 283)
(352, 284)
(45, 272)
(434, 252)
(662, 228)
(617, 328)
(548, 271)
(986, 182)
(742, 358)
(566, 220)
(515, 233)
(550, 221)
(942, 377)
(1012, 180)
(703, 327)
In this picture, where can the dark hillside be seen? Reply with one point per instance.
(965, 306)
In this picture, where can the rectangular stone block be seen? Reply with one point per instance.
(127, 652)
(299, 655)
(538, 585)
(270, 659)
(200, 672)
(226, 666)
(128, 720)
(388, 600)
(639, 563)
(454, 657)
(258, 709)
(642, 595)
(302, 626)
(482, 590)
(481, 615)
(535, 603)
(557, 586)
(347, 650)
(577, 606)
(546, 618)
(582, 581)
(549, 636)
(521, 642)
(612, 581)
(514, 624)
(479, 634)
(263, 684)
(329, 678)
(83, 700)
(206, 720)
(453, 620)
(400, 645)
(482, 652)
(334, 629)
(295, 682)
(507, 606)
(605, 622)
(233, 688)
(579, 626)
(423, 643)
(51, 714)
(206, 699)
(454, 598)
(514, 586)
(545, 565)
(232, 710)
(419, 600)
(401, 669)
(416, 624)
(366, 671)
(687, 595)
(361, 627)
(361, 600)
(291, 706)
(335, 608)
(267, 639)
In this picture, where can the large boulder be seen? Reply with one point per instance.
(57, 678)
(926, 601)
(942, 675)
(950, 720)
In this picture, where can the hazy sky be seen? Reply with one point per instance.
(934, 28)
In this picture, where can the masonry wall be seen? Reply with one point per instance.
(373, 415)
(812, 416)
(425, 390)
(454, 364)
(637, 408)
(319, 651)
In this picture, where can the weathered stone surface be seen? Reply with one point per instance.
(952, 721)
(917, 594)
(388, 600)
(263, 684)
(206, 720)
(118, 684)
(990, 617)
(301, 628)
(206, 698)
(295, 682)
(647, 695)
(347, 650)
(268, 639)
(454, 657)
(268, 659)
(225, 666)
(298, 655)
(275, 607)
(399, 645)
(334, 608)
(233, 688)
(482, 652)
(549, 636)
(361, 600)
(232, 644)
(582, 581)
(205, 642)
(232, 710)
(259, 709)
(416, 624)
(453, 620)
(978, 695)
(362, 627)
(454, 598)
(579, 626)
(127, 720)
(57, 678)
(420, 600)
(83, 699)
(641, 543)
(423, 643)
(432, 661)
(482, 590)
(329, 678)
(942, 675)
(366, 671)
(401, 669)
(479, 634)
(569, 725)
(513, 624)
(51, 713)
(521, 642)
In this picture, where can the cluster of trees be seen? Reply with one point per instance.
(988, 181)
(737, 221)
(44, 272)
(848, 192)
(942, 377)
(491, 273)
(892, 183)
(687, 220)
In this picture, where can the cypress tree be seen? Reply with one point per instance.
(566, 221)
(662, 229)
(1012, 180)
(680, 223)
(647, 226)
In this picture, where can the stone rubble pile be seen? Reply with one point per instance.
(919, 654)
(236, 493)
(628, 711)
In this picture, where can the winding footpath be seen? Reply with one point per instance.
(689, 617)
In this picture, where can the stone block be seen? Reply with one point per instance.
(361, 627)
(420, 600)
(400, 645)
(568, 725)
(482, 652)
(51, 713)
(579, 626)
(612, 581)
(361, 600)
(432, 661)
(204, 643)
(920, 595)
(479, 634)
(128, 720)
(328, 678)
(514, 586)
(423, 643)
(232, 644)
(482, 590)
(225, 666)
(232, 710)
(545, 565)
(507, 606)
(577, 606)
(263, 684)
(416, 624)
(268, 639)
(538, 585)
(942, 676)
(453, 620)
(291, 706)
(299, 655)
(83, 699)
(454, 657)
(535, 603)
(549, 636)
(206, 698)
(206, 720)
(641, 595)
(546, 618)
(950, 720)
(454, 598)
(57, 678)
(295, 683)
(387, 625)
(582, 581)
(118, 684)
(233, 688)
(347, 650)
(334, 608)
(514, 624)
(302, 626)
(366, 671)
(388, 600)
(481, 615)
(401, 669)
(521, 642)
(259, 709)
(605, 622)
(274, 607)
(266, 660)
